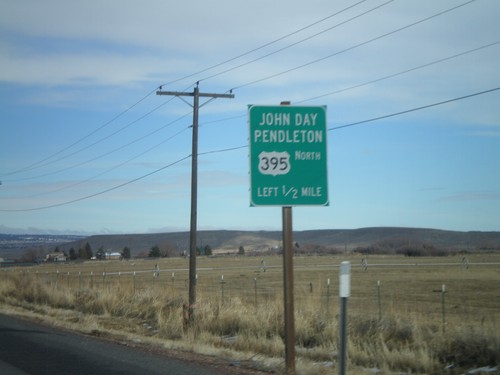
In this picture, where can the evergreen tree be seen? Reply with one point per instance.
(208, 250)
(126, 252)
(101, 254)
(154, 252)
(88, 254)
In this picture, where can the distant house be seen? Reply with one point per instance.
(56, 257)
(112, 256)
(6, 262)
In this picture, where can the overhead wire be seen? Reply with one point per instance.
(37, 164)
(262, 46)
(40, 164)
(359, 45)
(44, 162)
(351, 48)
(388, 115)
(356, 123)
(129, 124)
(111, 168)
(415, 109)
(401, 72)
(376, 80)
(107, 153)
(99, 192)
(463, 97)
(300, 41)
(284, 72)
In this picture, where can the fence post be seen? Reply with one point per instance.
(328, 297)
(134, 282)
(379, 301)
(364, 263)
(443, 291)
(157, 270)
(255, 290)
(222, 288)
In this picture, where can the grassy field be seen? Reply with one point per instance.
(400, 321)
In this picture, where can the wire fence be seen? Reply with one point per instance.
(442, 290)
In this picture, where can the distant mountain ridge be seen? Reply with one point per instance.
(12, 245)
(231, 240)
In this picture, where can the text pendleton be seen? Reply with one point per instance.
(288, 136)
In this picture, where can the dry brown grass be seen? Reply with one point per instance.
(241, 316)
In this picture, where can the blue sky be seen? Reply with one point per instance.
(87, 146)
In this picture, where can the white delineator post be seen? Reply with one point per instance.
(344, 293)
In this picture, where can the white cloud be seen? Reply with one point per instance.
(99, 57)
(126, 41)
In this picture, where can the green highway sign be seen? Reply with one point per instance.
(288, 157)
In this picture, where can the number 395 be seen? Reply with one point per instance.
(273, 163)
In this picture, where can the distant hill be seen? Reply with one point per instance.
(229, 241)
(349, 239)
(13, 245)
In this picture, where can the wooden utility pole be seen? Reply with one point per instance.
(196, 94)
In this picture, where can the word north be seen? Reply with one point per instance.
(284, 119)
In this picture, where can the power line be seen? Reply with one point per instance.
(111, 168)
(415, 109)
(223, 150)
(380, 117)
(400, 72)
(37, 164)
(41, 162)
(373, 81)
(351, 48)
(245, 146)
(261, 46)
(298, 42)
(376, 80)
(301, 101)
(90, 145)
(106, 153)
(98, 193)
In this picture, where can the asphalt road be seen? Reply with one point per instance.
(28, 348)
